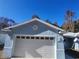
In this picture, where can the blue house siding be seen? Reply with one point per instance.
(68, 57)
(56, 45)
(28, 28)
(60, 47)
(4, 38)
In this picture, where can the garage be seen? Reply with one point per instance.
(32, 46)
(36, 38)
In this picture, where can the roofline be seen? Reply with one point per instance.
(51, 25)
(8, 28)
(19, 24)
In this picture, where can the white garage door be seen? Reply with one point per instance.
(27, 46)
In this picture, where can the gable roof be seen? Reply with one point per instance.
(57, 28)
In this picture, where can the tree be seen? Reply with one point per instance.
(69, 24)
(47, 20)
(55, 24)
(35, 16)
(76, 25)
(6, 22)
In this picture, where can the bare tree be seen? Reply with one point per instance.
(56, 24)
(6, 22)
(68, 24)
(35, 16)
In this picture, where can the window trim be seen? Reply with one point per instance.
(34, 37)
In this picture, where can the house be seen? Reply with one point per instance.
(71, 44)
(74, 38)
(34, 39)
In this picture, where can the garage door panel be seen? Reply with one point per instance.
(32, 47)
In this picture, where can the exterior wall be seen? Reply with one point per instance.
(76, 46)
(38, 48)
(60, 48)
(76, 43)
(68, 43)
(27, 29)
(69, 57)
(8, 45)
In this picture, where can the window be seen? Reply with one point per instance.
(42, 38)
(27, 37)
(46, 38)
(51, 38)
(32, 37)
(22, 37)
(37, 37)
(18, 37)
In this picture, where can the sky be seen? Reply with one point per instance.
(22, 10)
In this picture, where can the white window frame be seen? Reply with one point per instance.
(35, 37)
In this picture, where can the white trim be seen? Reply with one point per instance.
(6, 30)
(50, 25)
(20, 24)
(34, 35)
(34, 20)
(32, 58)
(7, 47)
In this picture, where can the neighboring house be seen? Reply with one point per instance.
(34, 39)
(71, 44)
(73, 38)
(76, 43)
(5, 39)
